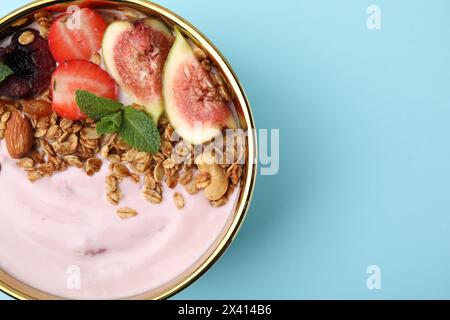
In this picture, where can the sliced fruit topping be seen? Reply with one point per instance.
(193, 103)
(134, 54)
(76, 36)
(31, 63)
(79, 75)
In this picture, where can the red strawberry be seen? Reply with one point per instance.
(76, 75)
(76, 36)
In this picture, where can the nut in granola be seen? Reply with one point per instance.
(18, 135)
(37, 108)
(219, 183)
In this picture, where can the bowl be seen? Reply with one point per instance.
(25, 16)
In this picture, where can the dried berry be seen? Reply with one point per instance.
(32, 64)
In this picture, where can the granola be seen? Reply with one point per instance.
(126, 213)
(26, 38)
(178, 200)
(61, 143)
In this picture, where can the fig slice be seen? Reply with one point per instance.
(194, 105)
(134, 54)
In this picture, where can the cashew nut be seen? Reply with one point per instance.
(219, 183)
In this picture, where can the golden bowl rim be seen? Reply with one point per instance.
(241, 208)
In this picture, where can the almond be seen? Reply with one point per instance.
(18, 135)
(38, 108)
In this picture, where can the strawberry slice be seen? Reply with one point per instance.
(76, 75)
(76, 36)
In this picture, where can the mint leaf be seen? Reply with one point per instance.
(96, 107)
(139, 130)
(104, 127)
(115, 118)
(110, 123)
(5, 72)
(135, 127)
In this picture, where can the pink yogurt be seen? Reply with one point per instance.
(62, 227)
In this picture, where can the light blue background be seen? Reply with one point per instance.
(365, 147)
